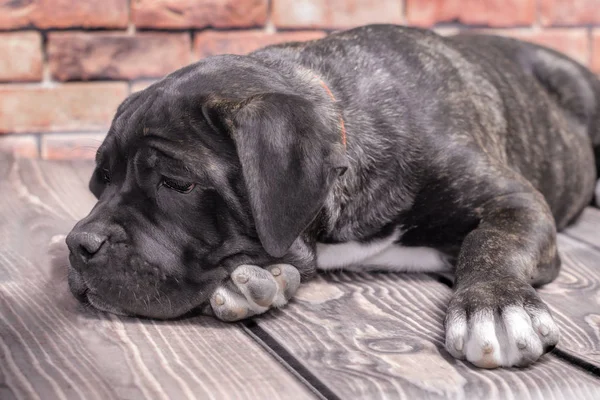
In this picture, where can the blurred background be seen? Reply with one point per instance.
(65, 65)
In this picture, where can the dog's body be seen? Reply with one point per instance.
(479, 117)
(462, 153)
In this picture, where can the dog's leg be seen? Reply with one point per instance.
(495, 317)
(253, 290)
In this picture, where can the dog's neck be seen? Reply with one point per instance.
(346, 214)
(311, 84)
(342, 125)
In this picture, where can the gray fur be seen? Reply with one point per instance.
(477, 146)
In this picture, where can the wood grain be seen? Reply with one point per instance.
(587, 228)
(574, 298)
(51, 347)
(361, 335)
(381, 336)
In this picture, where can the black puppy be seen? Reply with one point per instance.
(382, 146)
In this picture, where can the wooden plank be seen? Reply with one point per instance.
(381, 336)
(587, 228)
(363, 335)
(574, 298)
(53, 347)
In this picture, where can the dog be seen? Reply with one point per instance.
(224, 185)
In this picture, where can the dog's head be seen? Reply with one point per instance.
(220, 163)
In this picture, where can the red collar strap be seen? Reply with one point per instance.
(342, 126)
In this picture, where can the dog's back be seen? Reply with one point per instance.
(572, 86)
(530, 107)
(575, 87)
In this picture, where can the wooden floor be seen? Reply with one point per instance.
(344, 336)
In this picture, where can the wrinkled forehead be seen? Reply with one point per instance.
(148, 150)
(169, 138)
(144, 118)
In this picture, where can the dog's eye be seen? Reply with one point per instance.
(181, 187)
(105, 175)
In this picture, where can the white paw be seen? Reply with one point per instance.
(253, 290)
(513, 337)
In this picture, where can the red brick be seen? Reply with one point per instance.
(209, 43)
(69, 107)
(63, 13)
(24, 146)
(71, 146)
(596, 52)
(20, 56)
(572, 42)
(199, 13)
(474, 12)
(83, 56)
(569, 12)
(335, 13)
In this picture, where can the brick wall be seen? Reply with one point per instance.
(66, 64)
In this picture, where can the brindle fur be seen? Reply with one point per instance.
(478, 146)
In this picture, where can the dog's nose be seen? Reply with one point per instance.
(85, 244)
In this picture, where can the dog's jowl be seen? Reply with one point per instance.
(228, 182)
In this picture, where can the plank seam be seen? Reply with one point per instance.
(288, 361)
(441, 279)
(582, 364)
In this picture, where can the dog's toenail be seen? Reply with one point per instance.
(487, 348)
(544, 330)
(219, 300)
(459, 345)
(521, 345)
(276, 271)
(242, 278)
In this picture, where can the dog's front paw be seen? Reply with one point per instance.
(253, 290)
(499, 325)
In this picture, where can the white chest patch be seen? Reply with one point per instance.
(381, 254)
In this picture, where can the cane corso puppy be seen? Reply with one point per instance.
(224, 184)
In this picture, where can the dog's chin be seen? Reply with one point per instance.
(159, 309)
(82, 293)
(99, 304)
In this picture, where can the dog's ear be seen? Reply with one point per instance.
(291, 153)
